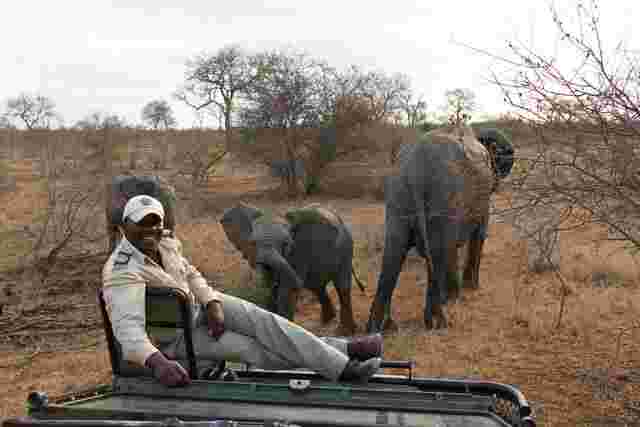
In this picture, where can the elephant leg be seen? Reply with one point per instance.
(472, 267)
(343, 289)
(272, 304)
(396, 246)
(454, 284)
(266, 283)
(286, 299)
(441, 234)
(328, 311)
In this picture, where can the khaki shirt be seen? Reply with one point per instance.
(125, 276)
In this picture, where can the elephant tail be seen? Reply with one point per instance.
(355, 276)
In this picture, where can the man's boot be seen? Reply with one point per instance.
(365, 347)
(360, 371)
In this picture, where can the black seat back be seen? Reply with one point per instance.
(167, 310)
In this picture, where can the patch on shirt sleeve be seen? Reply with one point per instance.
(122, 260)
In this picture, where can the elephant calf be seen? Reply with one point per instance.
(311, 247)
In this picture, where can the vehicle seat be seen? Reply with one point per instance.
(167, 310)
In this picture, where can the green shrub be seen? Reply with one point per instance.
(311, 184)
(429, 126)
(253, 293)
(257, 292)
(248, 135)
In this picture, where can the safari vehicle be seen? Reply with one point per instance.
(229, 394)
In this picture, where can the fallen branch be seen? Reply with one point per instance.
(22, 327)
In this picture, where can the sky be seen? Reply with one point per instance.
(115, 56)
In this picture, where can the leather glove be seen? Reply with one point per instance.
(168, 372)
(215, 317)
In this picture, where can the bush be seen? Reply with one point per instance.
(244, 286)
(429, 126)
(253, 293)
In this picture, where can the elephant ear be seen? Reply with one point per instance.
(501, 149)
(269, 217)
(237, 223)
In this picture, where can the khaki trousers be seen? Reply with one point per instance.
(263, 340)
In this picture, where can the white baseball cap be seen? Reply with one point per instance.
(140, 206)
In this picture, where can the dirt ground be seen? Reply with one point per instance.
(506, 331)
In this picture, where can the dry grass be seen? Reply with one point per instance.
(504, 331)
(23, 204)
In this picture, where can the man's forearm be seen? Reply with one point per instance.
(200, 288)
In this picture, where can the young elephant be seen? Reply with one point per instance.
(309, 249)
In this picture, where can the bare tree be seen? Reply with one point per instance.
(288, 98)
(355, 99)
(158, 113)
(353, 89)
(35, 111)
(383, 92)
(413, 108)
(301, 92)
(69, 220)
(288, 101)
(584, 118)
(218, 79)
(388, 90)
(459, 104)
(5, 123)
(99, 120)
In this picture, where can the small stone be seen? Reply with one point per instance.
(599, 279)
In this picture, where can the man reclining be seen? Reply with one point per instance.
(227, 328)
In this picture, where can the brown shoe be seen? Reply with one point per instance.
(365, 347)
(360, 371)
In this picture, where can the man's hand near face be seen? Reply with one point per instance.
(215, 317)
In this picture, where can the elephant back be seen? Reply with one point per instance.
(320, 223)
(456, 168)
(313, 214)
(320, 235)
(474, 151)
(476, 161)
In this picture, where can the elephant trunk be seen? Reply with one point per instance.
(286, 286)
(283, 272)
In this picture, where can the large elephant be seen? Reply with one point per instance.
(437, 199)
(309, 248)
